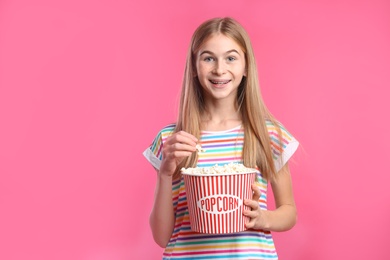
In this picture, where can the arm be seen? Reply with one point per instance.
(284, 216)
(162, 218)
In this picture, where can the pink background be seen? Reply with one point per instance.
(86, 85)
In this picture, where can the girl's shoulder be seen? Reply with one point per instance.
(283, 144)
(165, 131)
(168, 128)
(279, 133)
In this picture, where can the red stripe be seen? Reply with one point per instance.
(217, 216)
(230, 140)
(237, 193)
(188, 186)
(195, 209)
(224, 216)
(249, 192)
(211, 191)
(204, 214)
(220, 251)
(198, 212)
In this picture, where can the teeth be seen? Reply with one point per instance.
(219, 82)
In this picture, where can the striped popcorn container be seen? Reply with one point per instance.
(215, 201)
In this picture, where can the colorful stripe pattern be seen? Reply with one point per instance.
(221, 147)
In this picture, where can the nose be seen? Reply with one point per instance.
(220, 68)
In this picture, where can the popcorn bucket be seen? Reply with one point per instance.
(215, 201)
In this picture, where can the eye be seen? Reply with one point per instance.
(208, 59)
(231, 58)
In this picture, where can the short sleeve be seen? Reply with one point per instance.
(154, 152)
(281, 151)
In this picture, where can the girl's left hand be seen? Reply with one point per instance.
(257, 215)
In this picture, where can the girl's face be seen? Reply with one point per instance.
(220, 67)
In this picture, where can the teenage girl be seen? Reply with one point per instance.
(221, 109)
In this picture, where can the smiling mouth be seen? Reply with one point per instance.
(220, 82)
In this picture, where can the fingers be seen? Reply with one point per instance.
(250, 224)
(188, 135)
(255, 211)
(256, 192)
(181, 141)
(253, 204)
(253, 215)
(250, 213)
(183, 136)
(176, 148)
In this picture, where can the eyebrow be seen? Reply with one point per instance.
(211, 53)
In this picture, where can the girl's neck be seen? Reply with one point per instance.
(220, 118)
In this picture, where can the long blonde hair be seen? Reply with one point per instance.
(257, 148)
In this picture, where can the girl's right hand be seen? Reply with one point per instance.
(175, 149)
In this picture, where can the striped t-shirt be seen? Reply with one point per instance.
(221, 147)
